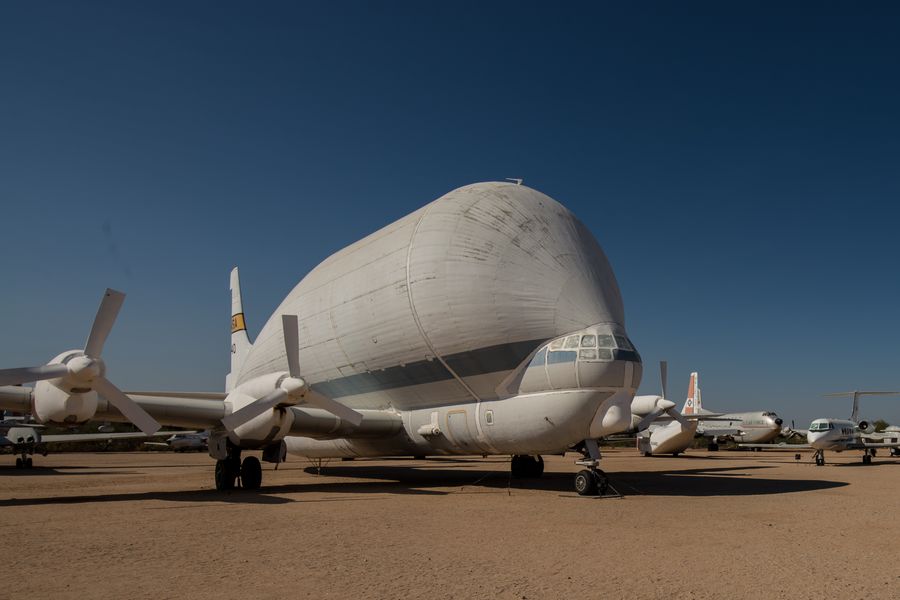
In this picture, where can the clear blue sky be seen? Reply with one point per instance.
(739, 163)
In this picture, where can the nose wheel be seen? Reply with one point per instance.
(820, 458)
(591, 482)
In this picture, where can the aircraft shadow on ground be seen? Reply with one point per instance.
(438, 479)
(715, 481)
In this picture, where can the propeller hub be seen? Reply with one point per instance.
(86, 369)
(294, 386)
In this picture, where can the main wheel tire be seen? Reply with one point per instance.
(20, 464)
(867, 460)
(29, 463)
(251, 473)
(586, 483)
(224, 475)
(536, 466)
(712, 447)
(519, 466)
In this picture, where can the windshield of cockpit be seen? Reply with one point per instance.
(601, 347)
(821, 426)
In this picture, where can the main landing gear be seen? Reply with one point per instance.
(868, 453)
(591, 481)
(524, 466)
(230, 471)
(25, 452)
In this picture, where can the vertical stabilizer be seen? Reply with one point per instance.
(240, 342)
(693, 404)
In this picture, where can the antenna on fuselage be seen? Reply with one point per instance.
(855, 394)
(516, 180)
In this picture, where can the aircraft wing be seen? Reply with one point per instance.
(188, 395)
(205, 410)
(664, 418)
(91, 437)
(781, 446)
(865, 445)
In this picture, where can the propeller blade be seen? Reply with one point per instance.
(645, 422)
(291, 343)
(334, 407)
(664, 377)
(103, 322)
(254, 409)
(128, 407)
(678, 417)
(28, 374)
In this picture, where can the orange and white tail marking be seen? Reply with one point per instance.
(692, 405)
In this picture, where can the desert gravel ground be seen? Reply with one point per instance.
(705, 525)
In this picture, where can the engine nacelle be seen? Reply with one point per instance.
(53, 405)
(262, 430)
(644, 405)
(866, 427)
(57, 401)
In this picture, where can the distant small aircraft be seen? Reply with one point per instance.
(843, 434)
(26, 439)
(185, 441)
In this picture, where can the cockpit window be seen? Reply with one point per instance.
(572, 342)
(622, 342)
(588, 341)
(557, 344)
(821, 426)
(587, 354)
(604, 354)
(605, 341)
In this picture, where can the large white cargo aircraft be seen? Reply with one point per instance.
(487, 322)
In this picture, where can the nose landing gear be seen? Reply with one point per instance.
(820, 458)
(592, 481)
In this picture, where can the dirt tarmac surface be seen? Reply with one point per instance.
(705, 525)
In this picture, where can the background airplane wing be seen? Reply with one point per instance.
(91, 437)
(777, 446)
(874, 445)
